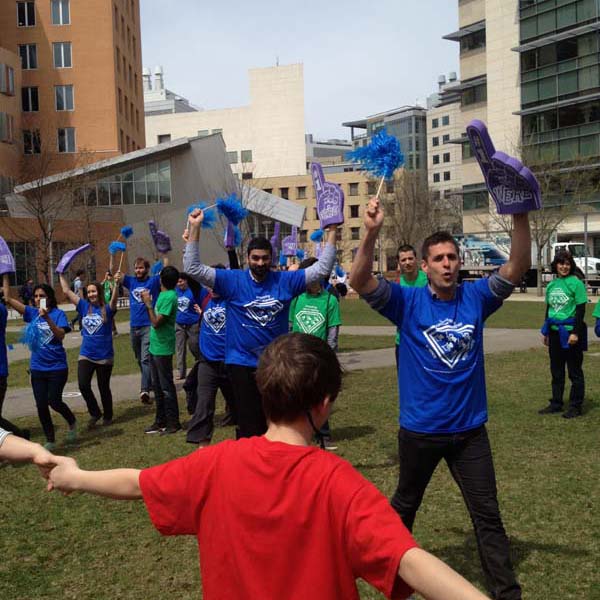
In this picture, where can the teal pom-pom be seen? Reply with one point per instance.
(127, 231)
(381, 157)
(317, 236)
(232, 209)
(115, 247)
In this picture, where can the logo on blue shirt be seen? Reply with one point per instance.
(215, 317)
(45, 332)
(92, 323)
(183, 302)
(263, 309)
(450, 342)
(137, 293)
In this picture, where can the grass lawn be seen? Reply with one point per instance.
(547, 468)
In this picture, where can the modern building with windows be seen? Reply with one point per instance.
(408, 124)
(264, 138)
(10, 122)
(80, 90)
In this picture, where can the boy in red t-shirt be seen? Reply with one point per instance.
(276, 517)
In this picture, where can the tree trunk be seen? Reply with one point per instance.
(540, 291)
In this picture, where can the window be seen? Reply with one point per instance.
(25, 14)
(354, 233)
(246, 156)
(66, 139)
(475, 94)
(435, 141)
(436, 178)
(446, 175)
(232, 157)
(118, 60)
(353, 189)
(436, 159)
(284, 192)
(32, 143)
(246, 175)
(202, 132)
(445, 139)
(268, 190)
(7, 80)
(445, 121)
(446, 157)
(389, 187)
(163, 137)
(120, 96)
(302, 236)
(301, 192)
(316, 214)
(62, 55)
(7, 128)
(30, 99)
(473, 41)
(435, 123)
(28, 54)
(64, 97)
(60, 12)
(371, 188)
(354, 211)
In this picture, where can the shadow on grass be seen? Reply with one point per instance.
(352, 432)
(464, 557)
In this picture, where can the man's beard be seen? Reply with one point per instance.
(260, 272)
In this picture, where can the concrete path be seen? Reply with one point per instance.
(19, 402)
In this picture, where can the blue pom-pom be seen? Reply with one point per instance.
(381, 157)
(210, 215)
(339, 271)
(300, 254)
(31, 336)
(156, 267)
(127, 231)
(282, 260)
(232, 209)
(317, 236)
(115, 247)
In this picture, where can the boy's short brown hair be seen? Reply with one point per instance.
(296, 372)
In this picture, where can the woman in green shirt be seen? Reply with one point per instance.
(565, 334)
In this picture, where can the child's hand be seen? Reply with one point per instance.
(63, 476)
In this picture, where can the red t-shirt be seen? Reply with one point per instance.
(275, 521)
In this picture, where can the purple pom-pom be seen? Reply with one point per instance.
(381, 157)
(317, 236)
(232, 209)
(127, 231)
(115, 247)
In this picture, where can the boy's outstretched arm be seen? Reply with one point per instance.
(361, 275)
(434, 579)
(120, 484)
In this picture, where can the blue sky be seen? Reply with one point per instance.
(359, 57)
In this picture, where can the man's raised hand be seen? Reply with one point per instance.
(373, 217)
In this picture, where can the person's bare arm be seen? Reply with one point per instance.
(12, 302)
(156, 320)
(433, 579)
(520, 250)
(59, 332)
(361, 277)
(72, 296)
(119, 484)
(114, 297)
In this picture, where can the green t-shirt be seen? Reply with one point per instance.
(596, 312)
(108, 288)
(562, 296)
(420, 281)
(315, 314)
(162, 338)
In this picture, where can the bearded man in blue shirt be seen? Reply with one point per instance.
(443, 403)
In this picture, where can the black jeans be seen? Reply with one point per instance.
(469, 458)
(4, 423)
(573, 358)
(48, 387)
(247, 406)
(167, 409)
(85, 371)
(212, 376)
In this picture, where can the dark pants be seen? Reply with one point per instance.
(212, 376)
(85, 371)
(167, 410)
(186, 336)
(48, 387)
(469, 458)
(573, 358)
(247, 406)
(4, 423)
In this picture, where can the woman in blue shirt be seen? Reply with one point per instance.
(96, 354)
(48, 364)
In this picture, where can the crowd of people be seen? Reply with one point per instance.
(279, 391)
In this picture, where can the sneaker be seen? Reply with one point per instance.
(549, 410)
(571, 413)
(145, 397)
(155, 428)
(329, 444)
(71, 436)
(106, 422)
(171, 429)
(92, 422)
(50, 446)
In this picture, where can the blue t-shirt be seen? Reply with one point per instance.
(213, 329)
(138, 313)
(51, 356)
(257, 313)
(97, 342)
(441, 372)
(3, 357)
(186, 315)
